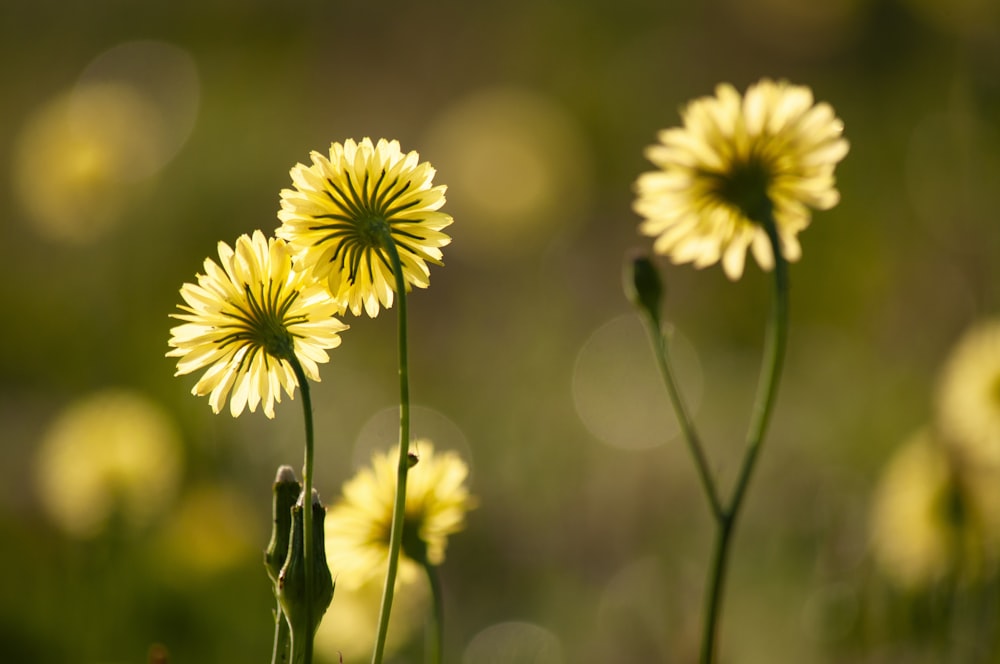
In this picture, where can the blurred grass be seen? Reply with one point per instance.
(604, 547)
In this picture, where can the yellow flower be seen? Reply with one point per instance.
(345, 208)
(245, 320)
(357, 527)
(348, 627)
(933, 519)
(968, 396)
(113, 454)
(735, 160)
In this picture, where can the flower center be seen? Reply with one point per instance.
(745, 187)
(261, 322)
(358, 221)
(414, 547)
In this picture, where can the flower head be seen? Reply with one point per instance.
(247, 316)
(346, 209)
(933, 519)
(112, 455)
(736, 160)
(968, 397)
(357, 527)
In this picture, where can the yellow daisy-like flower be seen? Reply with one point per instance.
(345, 209)
(932, 519)
(357, 527)
(245, 320)
(114, 454)
(968, 396)
(736, 160)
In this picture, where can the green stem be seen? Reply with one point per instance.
(279, 655)
(435, 628)
(399, 506)
(661, 347)
(307, 513)
(767, 388)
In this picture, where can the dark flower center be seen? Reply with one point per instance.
(745, 187)
(360, 218)
(261, 323)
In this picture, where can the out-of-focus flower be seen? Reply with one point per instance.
(83, 159)
(346, 208)
(968, 396)
(736, 160)
(76, 157)
(931, 520)
(209, 532)
(357, 526)
(349, 625)
(112, 455)
(246, 319)
(520, 171)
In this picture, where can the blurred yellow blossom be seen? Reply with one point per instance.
(968, 396)
(931, 520)
(246, 319)
(736, 159)
(346, 207)
(211, 530)
(75, 156)
(349, 625)
(113, 454)
(357, 526)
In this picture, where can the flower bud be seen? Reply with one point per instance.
(643, 286)
(292, 578)
(286, 492)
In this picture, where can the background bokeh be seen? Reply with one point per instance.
(135, 136)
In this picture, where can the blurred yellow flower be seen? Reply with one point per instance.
(349, 625)
(114, 454)
(210, 531)
(931, 520)
(968, 396)
(345, 207)
(357, 526)
(88, 144)
(735, 160)
(246, 319)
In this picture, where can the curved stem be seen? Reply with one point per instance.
(307, 528)
(399, 506)
(767, 388)
(660, 345)
(435, 628)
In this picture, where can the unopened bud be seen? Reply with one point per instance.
(643, 285)
(292, 579)
(286, 492)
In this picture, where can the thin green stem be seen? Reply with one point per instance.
(279, 655)
(661, 347)
(435, 627)
(767, 389)
(399, 506)
(307, 513)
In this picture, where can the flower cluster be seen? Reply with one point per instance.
(936, 513)
(270, 305)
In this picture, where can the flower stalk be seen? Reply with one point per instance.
(403, 466)
(435, 622)
(307, 513)
(640, 289)
(645, 290)
(767, 389)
